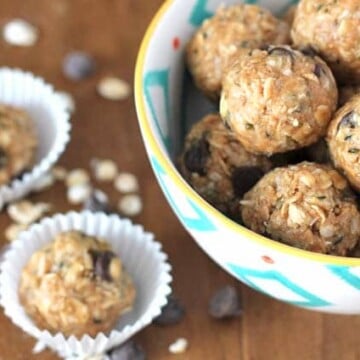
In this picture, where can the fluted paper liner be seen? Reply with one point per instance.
(142, 258)
(51, 118)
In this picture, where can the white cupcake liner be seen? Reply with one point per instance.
(51, 118)
(141, 255)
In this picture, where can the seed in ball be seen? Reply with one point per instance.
(113, 88)
(126, 183)
(130, 205)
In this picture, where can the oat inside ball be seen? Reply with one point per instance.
(76, 285)
(344, 140)
(278, 99)
(18, 143)
(232, 29)
(332, 29)
(218, 167)
(308, 205)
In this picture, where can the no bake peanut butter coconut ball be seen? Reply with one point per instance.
(218, 167)
(331, 28)
(308, 205)
(278, 99)
(232, 29)
(344, 140)
(76, 285)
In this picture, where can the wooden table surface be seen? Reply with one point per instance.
(111, 30)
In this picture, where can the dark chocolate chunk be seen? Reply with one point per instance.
(244, 178)
(128, 351)
(279, 50)
(97, 202)
(319, 70)
(101, 262)
(196, 157)
(78, 65)
(3, 158)
(225, 303)
(309, 51)
(172, 313)
(347, 121)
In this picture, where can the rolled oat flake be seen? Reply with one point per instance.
(179, 346)
(19, 32)
(113, 88)
(77, 194)
(130, 205)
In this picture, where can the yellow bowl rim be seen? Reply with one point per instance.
(184, 187)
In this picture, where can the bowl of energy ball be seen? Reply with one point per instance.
(249, 117)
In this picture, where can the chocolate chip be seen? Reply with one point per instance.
(128, 351)
(97, 202)
(281, 51)
(3, 158)
(101, 261)
(244, 178)
(225, 303)
(78, 65)
(348, 121)
(172, 313)
(195, 158)
(319, 70)
(309, 51)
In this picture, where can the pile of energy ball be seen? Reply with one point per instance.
(283, 155)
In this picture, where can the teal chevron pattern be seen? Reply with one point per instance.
(159, 78)
(248, 276)
(201, 222)
(344, 274)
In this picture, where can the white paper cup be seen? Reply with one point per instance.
(51, 118)
(142, 258)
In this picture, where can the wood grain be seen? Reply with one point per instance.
(111, 30)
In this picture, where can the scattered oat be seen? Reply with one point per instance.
(46, 181)
(97, 201)
(67, 100)
(78, 65)
(25, 212)
(172, 313)
(113, 88)
(225, 303)
(128, 351)
(179, 346)
(59, 173)
(77, 177)
(19, 32)
(13, 230)
(104, 169)
(77, 194)
(126, 183)
(130, 205)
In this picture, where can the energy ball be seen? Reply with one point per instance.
(331, 28)
(76, 285)
(278, 99)
(18, 143)
(308, 206)
(234, 29)
(344, 140)
(217, 166)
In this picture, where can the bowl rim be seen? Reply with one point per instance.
(166, 163)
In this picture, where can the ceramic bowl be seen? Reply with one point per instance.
(167, 103)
